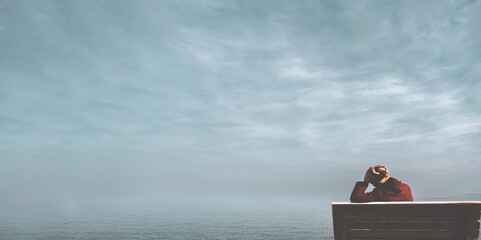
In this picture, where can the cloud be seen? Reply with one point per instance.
(213, 96)
(295, 69)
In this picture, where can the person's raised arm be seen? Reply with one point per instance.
(358, 194)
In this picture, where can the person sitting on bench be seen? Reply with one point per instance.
(387, 188)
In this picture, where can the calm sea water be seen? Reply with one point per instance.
(255, 220)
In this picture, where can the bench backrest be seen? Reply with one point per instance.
(406, 220)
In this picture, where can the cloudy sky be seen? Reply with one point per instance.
(125, 99)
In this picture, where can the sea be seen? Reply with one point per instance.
(206, 219)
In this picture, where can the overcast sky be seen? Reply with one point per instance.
(126, 99)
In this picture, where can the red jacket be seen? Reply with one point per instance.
(380, 194)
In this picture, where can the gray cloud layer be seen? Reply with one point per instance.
(123, 98)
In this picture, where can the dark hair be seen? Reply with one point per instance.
(392, 185)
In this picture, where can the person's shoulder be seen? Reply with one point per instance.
(400, 182)
(404, 185)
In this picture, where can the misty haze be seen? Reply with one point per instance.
(234, 119)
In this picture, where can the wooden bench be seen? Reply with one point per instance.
(406, 220)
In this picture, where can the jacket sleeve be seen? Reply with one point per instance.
(358, 194)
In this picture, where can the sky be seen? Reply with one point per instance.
(150, 99)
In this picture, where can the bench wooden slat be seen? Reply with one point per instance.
(406, 217)
(401, 233)
(401, 238)
(393, 224)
